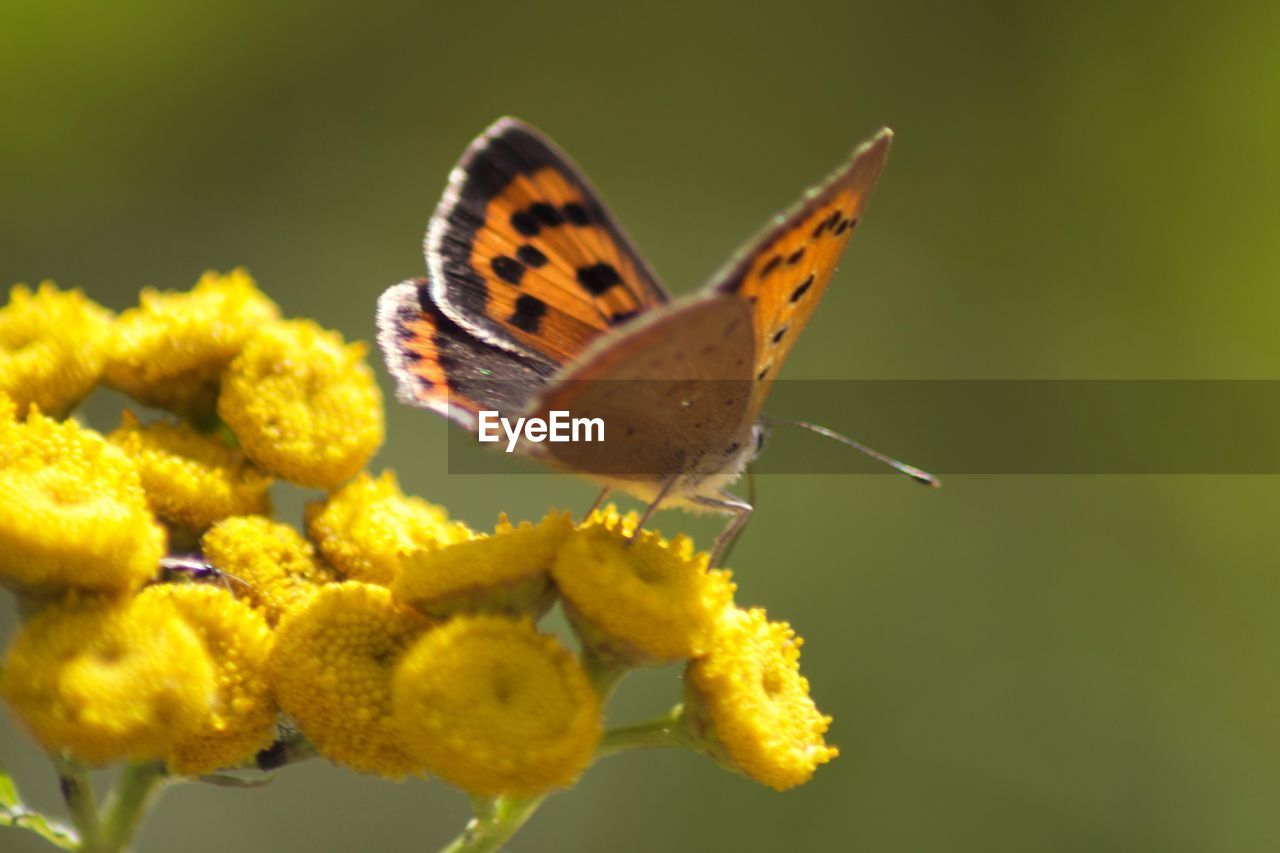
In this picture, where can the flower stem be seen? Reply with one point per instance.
(496, 821)
(77, 793)
(128, 802)
(665, 731)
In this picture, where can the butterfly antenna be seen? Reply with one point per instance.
(923, 477)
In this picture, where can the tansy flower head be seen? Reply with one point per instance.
(273, 563)
(303, 404)
(492, 706)
(505, 572)
(108, 679)
(191, 479)
(52, 347)
(242, 716)
(170, 351)
(368, 527)
(748, 701)
(332, 667)
(72, 510)
(646, 599)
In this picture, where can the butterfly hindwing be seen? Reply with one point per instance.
(783, 273)
(443, 367)
(523, 253)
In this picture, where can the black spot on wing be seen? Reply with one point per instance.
(531, 257)
(802, 288)
(770, 265)
(525, 224)
(778, 335)
(620, 317)
(545, 214)
(576, 213)
(598, 278)
(508, 269)
(794, 257)
(528, 314)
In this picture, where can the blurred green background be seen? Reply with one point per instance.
(1076, 191)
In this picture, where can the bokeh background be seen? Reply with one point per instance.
(1077, 190)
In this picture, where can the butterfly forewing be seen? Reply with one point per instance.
(783, 273)
(523, 253)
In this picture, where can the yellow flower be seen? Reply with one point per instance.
(366, 528)
(645, 600)
(108, 679)
(303, 404)
(332, 667)
(749, 702)
(506, 572)
(492, 706)
(272, 562)
(171, 350)
(242, 717)
(52, 347)
(191, 479)
(72, 510)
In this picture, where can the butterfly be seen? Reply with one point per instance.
(536, 301)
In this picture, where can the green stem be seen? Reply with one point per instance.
(128, 802)
(665, 731)
(77, 793)
(494, 825)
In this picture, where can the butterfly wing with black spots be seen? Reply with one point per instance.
(523, 253)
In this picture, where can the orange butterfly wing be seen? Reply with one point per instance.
(783, 273)
(523, 253)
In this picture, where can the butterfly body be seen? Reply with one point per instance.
(536, 301)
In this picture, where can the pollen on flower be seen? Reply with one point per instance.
(274, 564)
(505, 572)
(53, 344)
(492, 706)
(72, 510)
(171, 350)
(647, 600)
(242, 716)
(332, 668)
(748, 700)
(368, 527)
(191, 479)
(304, 405)
(108, 679)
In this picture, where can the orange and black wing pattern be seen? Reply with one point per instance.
(783, 273)
(443, 367)
(523, 253)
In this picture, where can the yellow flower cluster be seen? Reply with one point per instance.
(170, 617)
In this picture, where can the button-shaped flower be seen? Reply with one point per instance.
(369, 527)
(72, 510)
(268, 561)
(242, 716)
(493, 707)
(191, 479)
(505, 573)
(643, 599)
(332, 668)
(303, 404)
(751, 706)
(53, 344)
(108, 679)
(171, 350)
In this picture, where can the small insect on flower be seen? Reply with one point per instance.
(195, 569)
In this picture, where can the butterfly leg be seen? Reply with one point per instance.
(599, 502)
(652, 508)
(741, 512)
